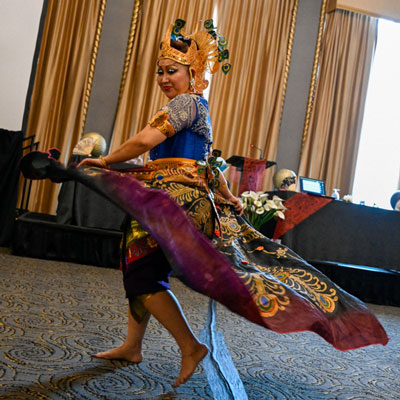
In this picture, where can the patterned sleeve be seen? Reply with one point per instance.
(177, 115)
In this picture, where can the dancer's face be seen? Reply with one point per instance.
(172, 77)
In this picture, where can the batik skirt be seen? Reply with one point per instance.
(219, 254)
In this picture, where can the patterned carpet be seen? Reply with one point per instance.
(54, 316)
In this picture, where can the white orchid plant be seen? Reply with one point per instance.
(259, 209)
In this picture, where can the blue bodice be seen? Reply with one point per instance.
(193, 138)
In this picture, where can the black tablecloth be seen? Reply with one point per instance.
(40, 236)
(346, 233)
(10, 154)
(81, 206)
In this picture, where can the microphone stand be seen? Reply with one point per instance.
(258, 148)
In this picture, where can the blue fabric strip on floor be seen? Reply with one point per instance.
(222, 375)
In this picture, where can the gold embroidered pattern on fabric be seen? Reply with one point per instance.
(281, 252)
(182, 194)
(156, 173)
(138, 244)
(308, 284)
(184, 171)
(138, 241)
(201, 213)
(229, 227)
(250, 234)
(268, 294)
(161, 122)
(268, 283)
(185, 182)
(196, 204)
(135, 232)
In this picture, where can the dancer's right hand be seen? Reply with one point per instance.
(91, 162)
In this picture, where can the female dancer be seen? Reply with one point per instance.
(184, 216)
(180, 131)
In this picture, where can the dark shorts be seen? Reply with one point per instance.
(149, 274)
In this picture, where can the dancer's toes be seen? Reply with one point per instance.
(121, 353)
(189, 364)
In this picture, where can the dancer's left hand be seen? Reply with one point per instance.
(237, 205)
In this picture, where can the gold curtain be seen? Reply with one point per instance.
(58, 99)
(140, 96)
(330, 145)
(246, 104)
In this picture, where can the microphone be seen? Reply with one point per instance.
(258, 148)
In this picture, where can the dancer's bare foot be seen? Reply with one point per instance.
(189, 363)
(123, 352)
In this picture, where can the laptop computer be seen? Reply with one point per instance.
(312, 186)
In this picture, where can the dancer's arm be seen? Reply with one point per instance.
(227, 194)
(145, 140)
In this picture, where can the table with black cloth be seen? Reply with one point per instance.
(10, 155)
(345, 233)
(82, 207)
(86, 229)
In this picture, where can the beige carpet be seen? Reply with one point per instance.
(54, 316)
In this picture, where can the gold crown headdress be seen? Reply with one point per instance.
(206, 51)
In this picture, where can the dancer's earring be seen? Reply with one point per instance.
(191, 81)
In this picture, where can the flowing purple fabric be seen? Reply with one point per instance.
(209, 272)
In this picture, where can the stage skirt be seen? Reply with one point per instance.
(230, 262)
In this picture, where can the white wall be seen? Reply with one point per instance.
(19, 24)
